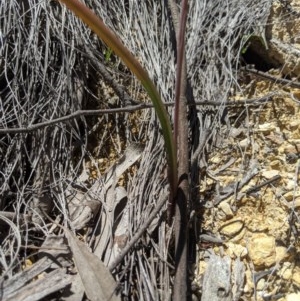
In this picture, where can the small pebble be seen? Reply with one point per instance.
(293, 297)
(232, 228)
(269, 174)
(281, 254)
(225, 207)
(260, 284)
(296, 276)
(286, 271)
(236, 250)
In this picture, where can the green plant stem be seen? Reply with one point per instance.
(114, 43)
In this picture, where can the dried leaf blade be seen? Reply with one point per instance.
(97, 280)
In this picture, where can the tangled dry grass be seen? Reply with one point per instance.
(52, 66)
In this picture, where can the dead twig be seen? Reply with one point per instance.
(259, 186)
(128, 109)
(272, 78)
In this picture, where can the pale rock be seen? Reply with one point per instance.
(262, 250)
(286, 271)
(216, 249)
(293, 297)
(294, 141)
(294, 124)
(232, 228)
(269, 174)
(247, 289)
(244, 143)
(266, 127)
(295, 204)
(239, 236)
(255, 224)
(281, 254)
(225, 207)
(249, 282)
(220, 215)
(296, 276)
(236, 250)
(276, 164)
(202, 265)
(289, 196)
(260, 284)
(281, 149)
(216, 159)
(289, 184)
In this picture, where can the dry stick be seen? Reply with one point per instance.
(265, 183)
(180, 288)
(128, 109)
(13, 216)
(272, 78)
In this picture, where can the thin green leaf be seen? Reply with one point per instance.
(114, 43)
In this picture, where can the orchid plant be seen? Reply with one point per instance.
(175, 144)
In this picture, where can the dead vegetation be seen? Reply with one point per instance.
(104, 175)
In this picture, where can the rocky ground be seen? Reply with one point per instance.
(258, 168)
(248, 219)
(260, 222)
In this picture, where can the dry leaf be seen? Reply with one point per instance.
(39, 289)
(76, 292)
(98, 282)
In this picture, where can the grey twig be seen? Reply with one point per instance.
(257, 187)
(230, 189)
(127, 109)
(275, 79)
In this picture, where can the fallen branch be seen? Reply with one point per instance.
(128, 109)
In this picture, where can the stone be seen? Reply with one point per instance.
(240, 236)
(249, 286)
(232, 228)
(244, 143)
(266, 127)
(202, 265)
(276, 165)
(236, 250)
(289, 196)
(269, 174)
(217, 279)
(286, 271)
(295, 204)
(262, 250)
(225, 207)
(261, 284)
(293, 297)
(296, 276)
(289, 184)
(281, 254)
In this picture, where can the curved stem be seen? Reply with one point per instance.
(113, 42)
